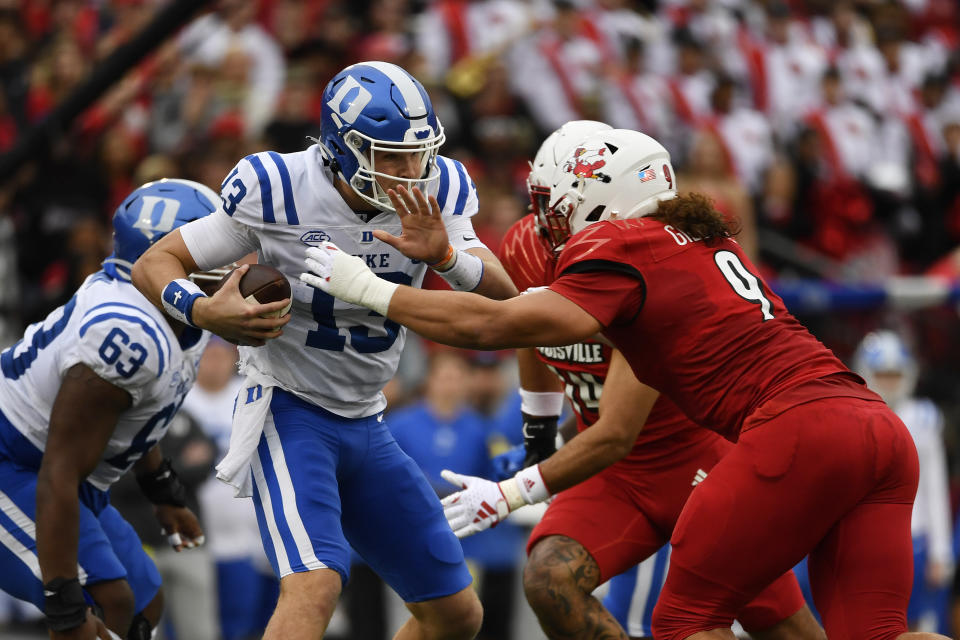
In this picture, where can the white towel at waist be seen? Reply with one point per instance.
(253, 403)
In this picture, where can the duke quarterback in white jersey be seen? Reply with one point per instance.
(308, 438)
(84, 396)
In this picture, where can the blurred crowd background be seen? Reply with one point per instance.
(831, 130)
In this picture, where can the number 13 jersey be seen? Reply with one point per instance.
(696, 322)
(332, 353)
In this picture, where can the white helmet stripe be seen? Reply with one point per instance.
(416, 107)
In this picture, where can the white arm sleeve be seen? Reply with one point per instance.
(217, 240)
(461, 234)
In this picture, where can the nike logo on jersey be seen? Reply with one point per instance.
(468, 238)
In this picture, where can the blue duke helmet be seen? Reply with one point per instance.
(151, 212)
(377, 106)
(884, 360)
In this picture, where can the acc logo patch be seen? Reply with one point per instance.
(315, 237)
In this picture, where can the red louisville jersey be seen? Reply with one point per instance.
(695, 321)
(583, 367)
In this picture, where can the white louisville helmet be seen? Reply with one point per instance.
(554, 149)
(608, 175)
(885, 362)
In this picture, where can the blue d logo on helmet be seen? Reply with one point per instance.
(151, 212)
(377, 106)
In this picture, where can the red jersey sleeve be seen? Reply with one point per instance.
(608, 295)
(524, 256)
(594, 273)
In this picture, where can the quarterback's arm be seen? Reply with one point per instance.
(225, 313)
(624, 406)
(84, 415)
(494, 283)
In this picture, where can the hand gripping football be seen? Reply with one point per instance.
(263, 283)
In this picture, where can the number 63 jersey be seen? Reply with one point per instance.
(111, 328)
(696, 322)
(332, 353)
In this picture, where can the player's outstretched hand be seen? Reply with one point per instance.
(228, 315)
(423, 236)
(180, 525)
(480, 505)
(346, 277)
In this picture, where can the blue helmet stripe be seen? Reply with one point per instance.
(289, 204)
(444, 182)
(146, 327)
(464, 189)
(266, 191)
(124, 305)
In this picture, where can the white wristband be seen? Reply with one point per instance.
(541, 403)
(531, 485)
(465, 273)
(178, 298)
(510, 489)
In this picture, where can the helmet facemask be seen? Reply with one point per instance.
(364, 182)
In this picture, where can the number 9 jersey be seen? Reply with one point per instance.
(111, 328)
(696, 322)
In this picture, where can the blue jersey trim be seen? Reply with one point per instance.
(289, 204)
(444, 183)
(266, 191)
(150, 331)
(464, 189)
(276, 504)
(124, 305)
(14, 367)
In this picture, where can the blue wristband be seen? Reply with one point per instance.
(178, 298)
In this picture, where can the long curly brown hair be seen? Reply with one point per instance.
(695, 215)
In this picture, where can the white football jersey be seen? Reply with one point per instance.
(332, 353)
(110, 327)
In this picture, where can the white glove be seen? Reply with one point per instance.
(482, 504)
(347, 277)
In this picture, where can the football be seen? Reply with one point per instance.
(263, 283)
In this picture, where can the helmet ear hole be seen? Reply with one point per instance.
(594, 215)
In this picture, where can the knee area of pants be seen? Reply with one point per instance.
(674, 622)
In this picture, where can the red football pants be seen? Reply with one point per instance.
(834, 478)
(625, 513)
